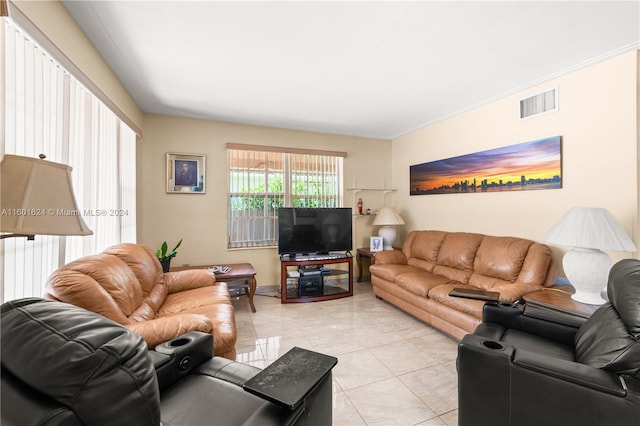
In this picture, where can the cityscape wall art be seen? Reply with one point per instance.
(524, 166)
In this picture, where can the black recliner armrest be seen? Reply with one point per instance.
(292, 377)
(568, 371)
(180, 356)
(552, 325)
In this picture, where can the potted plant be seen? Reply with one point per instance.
(164, 257)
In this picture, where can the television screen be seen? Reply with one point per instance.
(313, 230)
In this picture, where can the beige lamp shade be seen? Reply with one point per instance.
(590, 227)
(388, 216)
(37, 198)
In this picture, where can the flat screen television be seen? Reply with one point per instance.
(314, 230)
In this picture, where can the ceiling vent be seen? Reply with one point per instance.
(540, 103)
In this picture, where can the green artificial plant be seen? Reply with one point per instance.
(162, 254)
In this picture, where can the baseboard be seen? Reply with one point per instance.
(267, 289)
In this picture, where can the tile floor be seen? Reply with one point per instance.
(392, 368)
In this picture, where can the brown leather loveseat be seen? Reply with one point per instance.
(126, 284)
(419, 277)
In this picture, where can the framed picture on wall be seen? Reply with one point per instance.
(375, 244)
(185, 173)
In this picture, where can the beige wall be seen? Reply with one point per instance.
(597, 119)
(201, 219)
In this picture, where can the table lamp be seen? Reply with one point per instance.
(37, 198)
(388, 217)
(589, 230)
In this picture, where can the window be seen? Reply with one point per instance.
(45, 109)
(263, 179)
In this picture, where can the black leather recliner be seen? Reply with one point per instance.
(63, 365)
(531, 366)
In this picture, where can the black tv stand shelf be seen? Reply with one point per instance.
(331, 283)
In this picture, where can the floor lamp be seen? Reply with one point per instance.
(388, 217)
(37, 199)
(589, 230)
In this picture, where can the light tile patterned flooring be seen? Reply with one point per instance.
(392, 368)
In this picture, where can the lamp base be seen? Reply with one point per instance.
(588, 298)
(388, 234)
(588, 272)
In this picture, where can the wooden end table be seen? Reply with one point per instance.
(362, 254)
(241, 277)
(559, 298)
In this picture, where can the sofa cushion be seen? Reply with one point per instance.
(458, 250)
(150, 305)
(390, 271)
(100, 283)
(142, 261)
(425, 245)
(420, 282)
(425, 265)
(501, 257)
(440, 294)
(188, 300)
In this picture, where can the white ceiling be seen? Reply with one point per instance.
(375, 69)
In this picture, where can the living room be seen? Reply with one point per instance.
(607, 147)
(597, 119)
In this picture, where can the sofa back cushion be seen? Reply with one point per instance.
(148, 271)
(142, 262)
(501, 257)
(424, 245)
(456, 256)
(124, 283)
(100, 283)
(481, 260)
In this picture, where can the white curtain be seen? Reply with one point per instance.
(46, 110)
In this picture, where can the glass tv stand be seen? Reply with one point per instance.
(315, 278)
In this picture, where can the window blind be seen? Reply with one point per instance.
(263, 179)
(44, 109)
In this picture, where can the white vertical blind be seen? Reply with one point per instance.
(46, 110)
(262, 181)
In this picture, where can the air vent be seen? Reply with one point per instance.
(539, 104)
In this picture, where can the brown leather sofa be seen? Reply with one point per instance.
(126, 284)
(418, 278)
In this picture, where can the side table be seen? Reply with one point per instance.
(362, 254)
(240, 278)
(559, 299)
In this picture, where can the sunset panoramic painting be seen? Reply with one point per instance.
(520, 167)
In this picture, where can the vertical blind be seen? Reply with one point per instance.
(46, 110)
(263, 180)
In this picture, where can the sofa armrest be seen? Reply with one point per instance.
(513, 292)
(188, 279)
(163, 329)
(390, 256)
